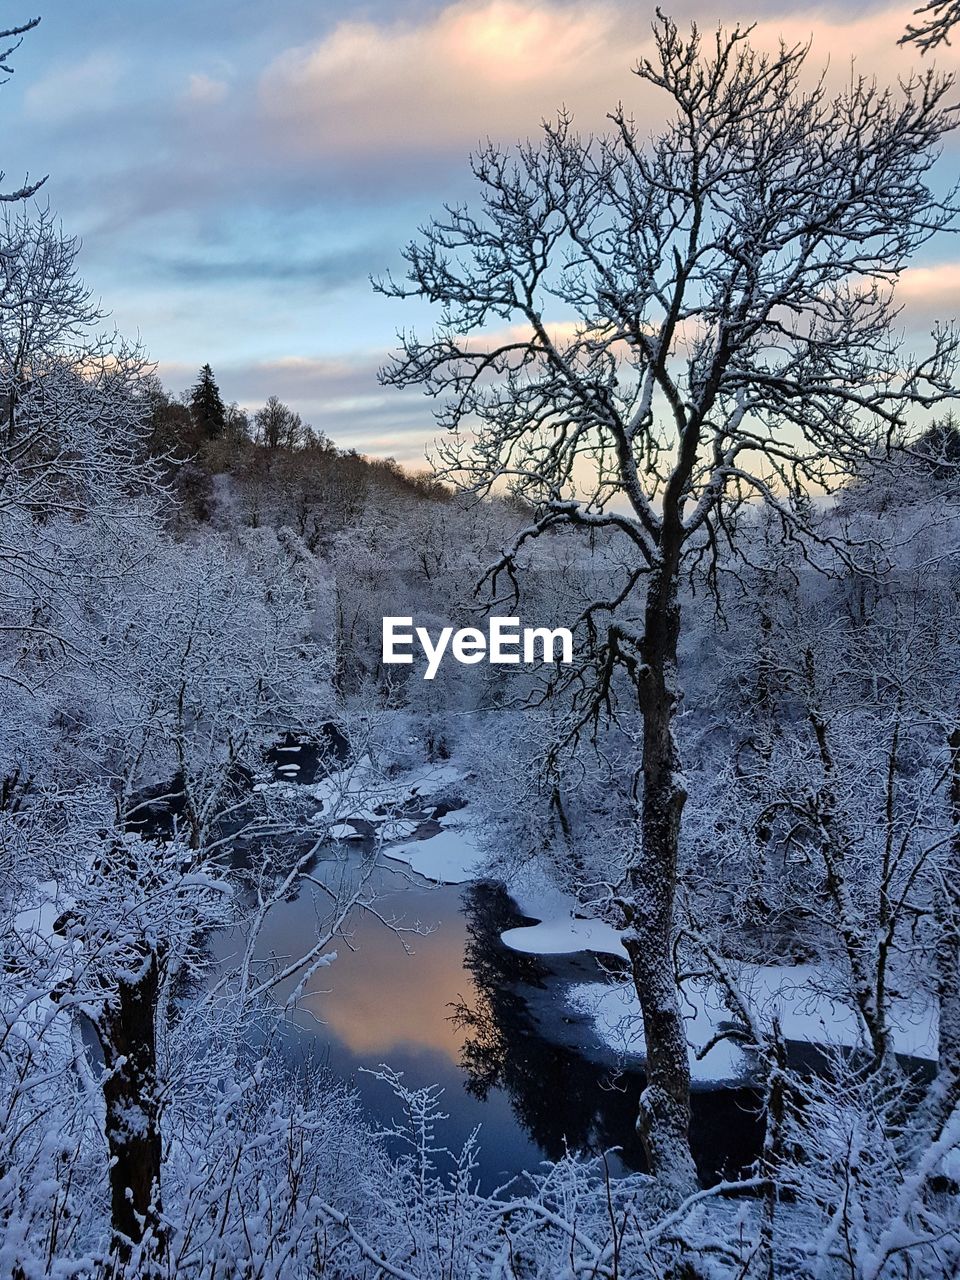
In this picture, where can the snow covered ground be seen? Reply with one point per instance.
(799, 995)
(450, 857)
(796, 994)
(364, 791)
(365, 799)
(563, 934)
(613, 1007)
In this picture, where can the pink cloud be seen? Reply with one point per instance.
(497, 67)
(203, 90)
(853, 43)
(928, 295)
(476, 68)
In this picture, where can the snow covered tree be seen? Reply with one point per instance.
(936, 20)
(691, 323)
(15, 37)
(44, 306)
(938, 450)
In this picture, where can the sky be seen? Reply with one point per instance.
(238, 169)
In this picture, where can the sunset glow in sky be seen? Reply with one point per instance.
(237, 170)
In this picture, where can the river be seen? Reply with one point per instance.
(457, 1008)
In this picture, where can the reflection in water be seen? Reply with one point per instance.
(565, 1100)
(381, 1003)
(454, 1006)
(388, 987)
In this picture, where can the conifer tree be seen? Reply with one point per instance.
(207, 407)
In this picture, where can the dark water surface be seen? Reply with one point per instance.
(487, 1024)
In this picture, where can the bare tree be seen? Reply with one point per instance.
(278, 426)
(10, 40)
(937, 20)
(696, 320)
(44, 306)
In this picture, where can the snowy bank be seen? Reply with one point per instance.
(366, 801)
(449, 857)
(564, 934)
(797, 995)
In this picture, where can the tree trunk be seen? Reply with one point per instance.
(127, 1034)
(664, 1119)
(943, 1096)
(946, 1089)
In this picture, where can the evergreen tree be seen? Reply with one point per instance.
(207, 408)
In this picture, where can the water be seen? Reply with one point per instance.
(457, 1008)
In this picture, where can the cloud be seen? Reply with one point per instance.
(74, 88)
(497, 67)
(845, 39)
(203, 90)
(471, 69)
(386, 109)
(210, 176)
(291, 377)
(331, 270)
(929, 294)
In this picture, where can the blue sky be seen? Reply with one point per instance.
(237, 170)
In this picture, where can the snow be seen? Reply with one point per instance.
(450, 857)
(795, 994)
(615, 1012)
(562, 928)
(361, 790)
(433, 777)
(37, 920)
(341, 830)
(799, 995)
(563, 935)
(390, 828)
(398, 828)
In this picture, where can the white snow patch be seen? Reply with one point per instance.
(361, 789)
(37, 920)
(561, 930)
(341, 830)
(615, 1012)
(796, 994)
(799, 995)
(450, 857)
(398, 828)
(433, 777)
(536, 895)
(563, 935)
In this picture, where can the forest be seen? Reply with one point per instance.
(703, 877)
